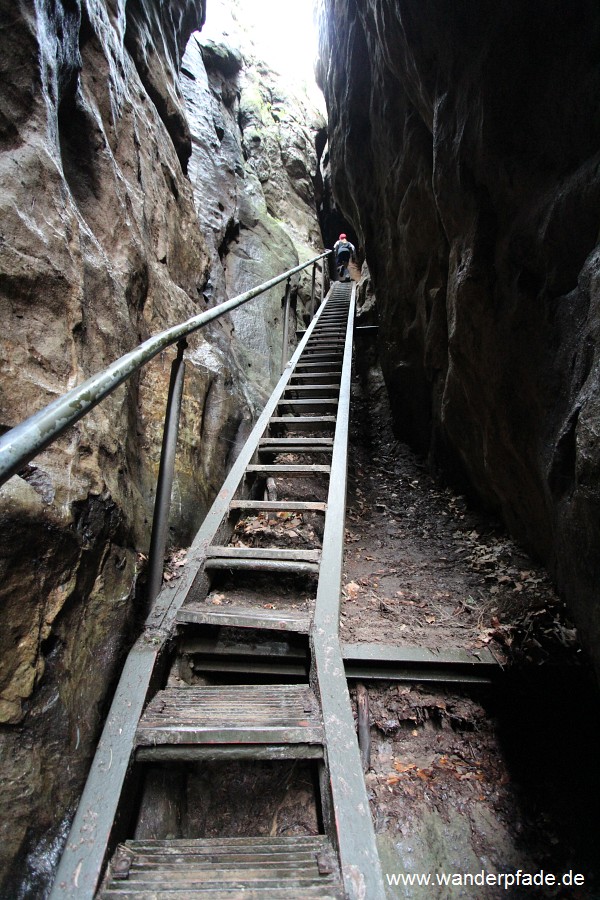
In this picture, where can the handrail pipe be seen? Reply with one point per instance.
(22, 443)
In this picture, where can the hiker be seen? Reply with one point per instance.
(344, 251)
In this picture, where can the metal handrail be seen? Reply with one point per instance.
(23, 442)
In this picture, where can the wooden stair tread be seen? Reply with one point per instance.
(279, 505)
(283, 442)
(309, 401)
(226, 714)
(263, 553)
(296, 421)
(311, 469)
(308, 388)
(232, 868)
(242, 617)
(263, 558)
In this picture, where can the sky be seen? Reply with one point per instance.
(283, 32)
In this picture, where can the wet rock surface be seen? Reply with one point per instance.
(464, 149)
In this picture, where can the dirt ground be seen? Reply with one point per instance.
(421, 567)
(449, 786)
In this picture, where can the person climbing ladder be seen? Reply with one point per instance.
(344, 251)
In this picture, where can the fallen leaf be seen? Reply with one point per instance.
(352, 590)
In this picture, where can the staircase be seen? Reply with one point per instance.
(221, 675)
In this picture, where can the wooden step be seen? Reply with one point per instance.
(329, 377)
(231, 714)
(299, 423)
(269, 868)
(283, 655)
(263, 559)
(304, 404)
(243, 617)
(300, 365)
(327, 336)
(413, 663)
(324, 344)
(308, 388)
(294, 445)
(278, 505)
(312, 469)
(325, 442)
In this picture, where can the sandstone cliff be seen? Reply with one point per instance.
(465, 149)
(253, 169)
(121, 214)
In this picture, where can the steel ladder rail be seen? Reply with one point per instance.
(359, 858)
(84, 856)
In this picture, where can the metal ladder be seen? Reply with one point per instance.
(153, 719)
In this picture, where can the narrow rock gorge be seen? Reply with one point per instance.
(464, 148)
(153, 166)
(142, 182)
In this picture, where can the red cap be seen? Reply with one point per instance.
(342, 237)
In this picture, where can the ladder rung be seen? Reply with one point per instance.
(221, 752)
(316, 365)
(301, 421)
(288, 470)
(278, 505)
(311, 401)
(263, 553)
(334, 377)
(308, 387)
(326, 443)
(198, 613)
(264, 559)
(296, 445)
(231, 714)
(255, 564)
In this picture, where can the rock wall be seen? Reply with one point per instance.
(465, 149)
(101, 245)
(254, 169)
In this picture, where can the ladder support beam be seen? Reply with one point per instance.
(359, 859)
